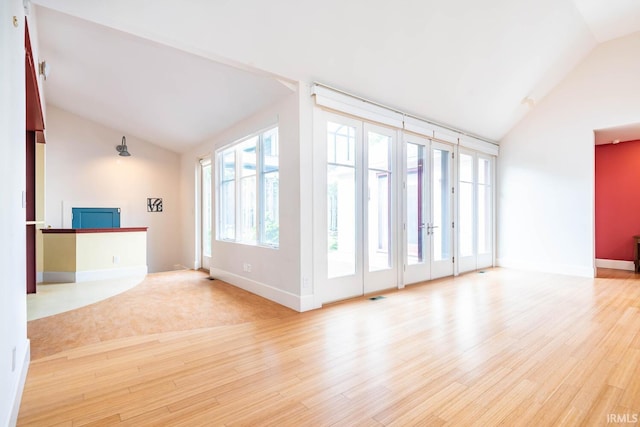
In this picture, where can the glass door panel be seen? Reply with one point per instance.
(341, 200)
(379, 205)
(341, 235)
(475, 201)
(379, 217)
(414, 200)
(206, 213)
(485, 212)
(441, 227)
(417, 262)
(465, 206)
(359, 252)
(428, 205)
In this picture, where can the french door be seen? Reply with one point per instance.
(206, 212)
(475, 201)
(428, 209)
(358, 248)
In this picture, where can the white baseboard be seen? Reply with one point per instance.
(59, 276)
(564, 269)
(615, 264)
(22, 379)
(308, 302)
(294, 302)
(93, 275)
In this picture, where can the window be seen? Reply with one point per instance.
(248, 184)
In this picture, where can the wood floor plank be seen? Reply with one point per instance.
(500, 348)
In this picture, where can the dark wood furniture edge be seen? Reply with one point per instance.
(92, 230)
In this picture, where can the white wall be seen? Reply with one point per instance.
(13, 310)
(276, 273)
(83, 169)
(546, 164)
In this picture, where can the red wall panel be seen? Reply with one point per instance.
(617, 199)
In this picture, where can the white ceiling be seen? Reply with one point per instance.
(614, 135)
(177, 73)
(160, 94)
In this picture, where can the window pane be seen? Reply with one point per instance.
(379, 206)
(249, 190)
(441, 205)
(379, 151)
(341, 221)
(484, 171)
(227, 210)
(341, 143)
(247, 152)
(270, 151)
(414, 179)
(378, 218)
(228, 164)
(270, 207)
(466, 168)
(248, 209)
(269, 189)
(206, 210)
(466, 219)
(484, 219)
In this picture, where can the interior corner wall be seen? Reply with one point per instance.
(189, 197)
(617, 200)
(14, 346)
(546, 177)
(306, 179)
(83, 169)
(275, 273)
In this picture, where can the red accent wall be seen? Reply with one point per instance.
(617, 199)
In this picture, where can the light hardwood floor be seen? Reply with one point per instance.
(499, 348)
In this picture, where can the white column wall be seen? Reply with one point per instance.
(546, 166)
(14, 346)
(275, 273)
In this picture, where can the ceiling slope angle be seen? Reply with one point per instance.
(610, 19)
(157, 93)
(464, 64)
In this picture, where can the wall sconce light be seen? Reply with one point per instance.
(44, 69)
(122, 148)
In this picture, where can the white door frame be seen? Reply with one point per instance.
(429, 268)
(362, 281)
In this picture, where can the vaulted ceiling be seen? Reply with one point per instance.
(177, 73)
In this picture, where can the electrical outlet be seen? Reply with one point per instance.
(116, 259)
(247, 267)
(305, 283)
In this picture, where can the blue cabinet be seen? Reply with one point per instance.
(95, 218)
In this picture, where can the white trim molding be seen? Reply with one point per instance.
(343, 102)
(615, 264)
(22, 379)
(294, 302)
(564, 269)
(93, 275)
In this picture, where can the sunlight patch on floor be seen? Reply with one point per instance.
(54, 298)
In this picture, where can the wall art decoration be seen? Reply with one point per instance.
(154, 204)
